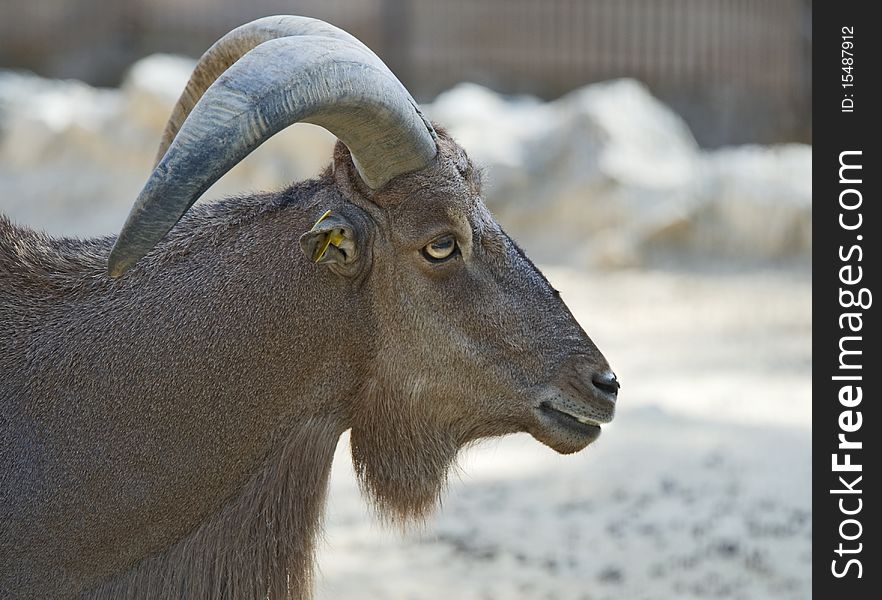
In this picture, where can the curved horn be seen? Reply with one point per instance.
(325, 80)
(230, 48)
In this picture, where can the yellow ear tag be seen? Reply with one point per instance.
(333, 237)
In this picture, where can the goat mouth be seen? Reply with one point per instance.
(579, 424)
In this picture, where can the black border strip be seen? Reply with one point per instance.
(846, 261)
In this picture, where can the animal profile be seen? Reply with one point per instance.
(171, 398)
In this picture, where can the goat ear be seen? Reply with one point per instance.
(332, 240)
(346, 175)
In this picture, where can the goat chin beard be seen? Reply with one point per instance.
(402, 471)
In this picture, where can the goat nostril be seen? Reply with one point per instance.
(606, 382)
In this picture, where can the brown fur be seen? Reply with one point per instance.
(169, 434)
(276, 515)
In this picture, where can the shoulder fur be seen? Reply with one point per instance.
(33, 264)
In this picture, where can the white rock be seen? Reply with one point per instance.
(149, 91)
(606, 175)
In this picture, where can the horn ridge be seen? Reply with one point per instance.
(230, 48)
(328, 81)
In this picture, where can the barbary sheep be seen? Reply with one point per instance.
(170, 400)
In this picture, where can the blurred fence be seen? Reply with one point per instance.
(738, 70)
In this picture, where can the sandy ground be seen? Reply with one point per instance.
(700, 489)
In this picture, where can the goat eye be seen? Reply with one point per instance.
(441, 249)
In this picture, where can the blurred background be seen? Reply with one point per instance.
(654, 158)
(736, 70)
